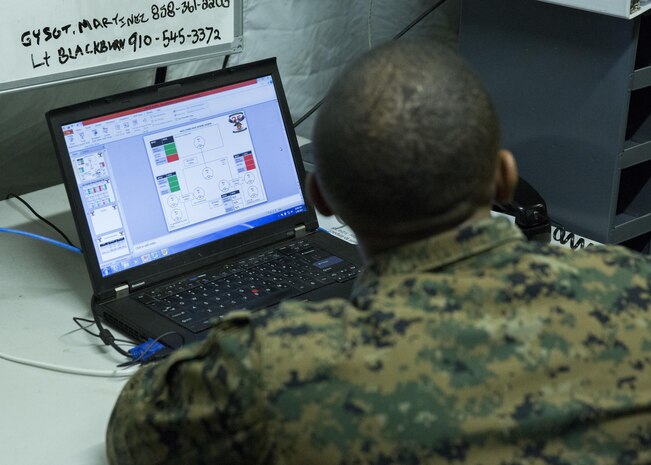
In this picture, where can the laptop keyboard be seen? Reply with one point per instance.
(255, 282)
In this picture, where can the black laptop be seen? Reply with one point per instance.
(189, 202)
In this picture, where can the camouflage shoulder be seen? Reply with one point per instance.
(614, 257)
(292, 312)
(160, 414)
(241, 332)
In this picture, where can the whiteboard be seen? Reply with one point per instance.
(48, 41)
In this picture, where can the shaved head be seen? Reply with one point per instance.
(407, 136)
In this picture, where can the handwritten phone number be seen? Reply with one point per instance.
(194, 36)
(169, 9)
(205, 35)
(134, 42)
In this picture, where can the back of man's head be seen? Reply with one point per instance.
(407, 139)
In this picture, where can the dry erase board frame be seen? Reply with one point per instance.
(48, 42)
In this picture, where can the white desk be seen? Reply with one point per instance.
(49, 417)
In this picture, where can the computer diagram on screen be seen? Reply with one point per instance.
(205, 170)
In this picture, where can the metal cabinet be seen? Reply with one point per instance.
(573, 92)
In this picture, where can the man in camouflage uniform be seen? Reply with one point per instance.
(462, 343)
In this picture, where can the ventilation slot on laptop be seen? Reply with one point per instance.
(123, 328)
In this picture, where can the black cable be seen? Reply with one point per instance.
(409, 27)
(49, 223)
(78, 320)
(106, 336)
(564, 237)
(108, 339)
(309, 112)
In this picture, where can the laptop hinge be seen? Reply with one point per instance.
(122, 291)
(300, 230)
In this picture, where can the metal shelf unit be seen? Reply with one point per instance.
(573, 92)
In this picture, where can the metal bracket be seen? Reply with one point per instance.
(122, 291)
(300, 231)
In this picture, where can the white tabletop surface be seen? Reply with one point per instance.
(46, 416)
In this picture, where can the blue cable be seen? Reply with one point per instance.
(41, 238)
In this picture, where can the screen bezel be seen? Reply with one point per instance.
(185, 261)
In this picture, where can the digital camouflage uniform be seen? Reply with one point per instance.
(472, 347)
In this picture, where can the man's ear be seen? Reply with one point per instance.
(506, 177)
(316, 195)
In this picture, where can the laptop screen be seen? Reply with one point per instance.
(163, 178)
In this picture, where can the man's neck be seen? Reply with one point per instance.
(377, 242)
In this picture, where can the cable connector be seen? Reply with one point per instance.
(145, 350)
(106, 336)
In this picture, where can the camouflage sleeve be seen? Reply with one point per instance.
(205, 394)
